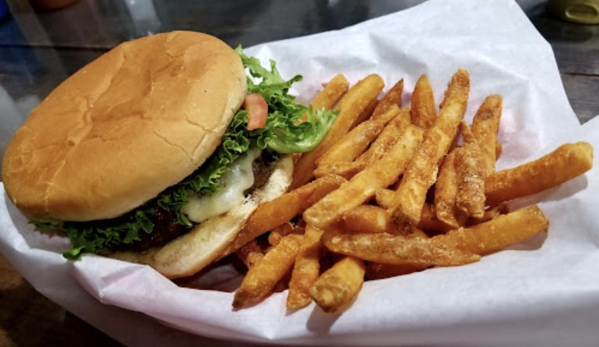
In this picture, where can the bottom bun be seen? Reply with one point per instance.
(193, 251)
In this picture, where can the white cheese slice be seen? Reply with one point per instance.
(234, 183)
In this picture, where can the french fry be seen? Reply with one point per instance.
(366, 114)
(338, 285)
(421, 173)
(471, 173)
(368, 219)
(446, 190)
(364, 185)
(271, 214)
(498, 150)
(467, 134)
(378, 271)
(344, 169)
(394, 249)
(394, 129)
(415, 232)
(264, 275)
(566, 162)
(490, 214)
(250, 253)
(371, 219)
(394, 156)
(277, 234)
(332, 92)
(306, 270)
(430, 222)
(498, 233)
(459, 88)
(351, 105)
(355, 142)
(485, 126)
(424, 111)
(392, 98)
(384, 197)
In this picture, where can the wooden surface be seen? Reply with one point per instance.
(38, 51)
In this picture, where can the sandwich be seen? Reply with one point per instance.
(158, 151)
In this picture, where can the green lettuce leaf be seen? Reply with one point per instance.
(290, 128)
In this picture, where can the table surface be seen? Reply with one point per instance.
(38, 50)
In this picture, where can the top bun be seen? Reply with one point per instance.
(124, 128)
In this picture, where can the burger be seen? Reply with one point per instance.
(158, 151)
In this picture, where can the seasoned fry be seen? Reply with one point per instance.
(339, 284)
(371, 208)
(566, 162)
(394, 249)
(470, 168)
(345, 169)
(429, 221)
(490, 214)
(459, 88)
(498, 233)
(351, 105)
(355, 142)
(384, 197)
(378, 271)
(332, 92)
(421, 173)
(375, 271)
(415, 232)
(446, 190)
(250, 253)
(396, 127)
(277, 234)
(306, 270)
(470, 197)
(485, 126)
(364, 185)
(366, 114)
(498, 150)
(368, 219)
(467, 134)
(352, 144)
(373, 219)
(265, 274)
(271, 214)
(424, 111)
(392, 98)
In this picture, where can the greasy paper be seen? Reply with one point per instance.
(544, 292)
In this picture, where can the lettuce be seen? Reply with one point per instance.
(290, 128)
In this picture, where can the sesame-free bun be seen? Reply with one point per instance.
(124, 128)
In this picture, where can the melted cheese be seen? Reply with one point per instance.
(233, 183)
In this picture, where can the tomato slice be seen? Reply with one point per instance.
(257, 110)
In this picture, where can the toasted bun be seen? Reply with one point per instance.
(125, 127)
(191, 252)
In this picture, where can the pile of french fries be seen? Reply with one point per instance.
(393, 190)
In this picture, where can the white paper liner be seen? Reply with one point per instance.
(544, 292)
